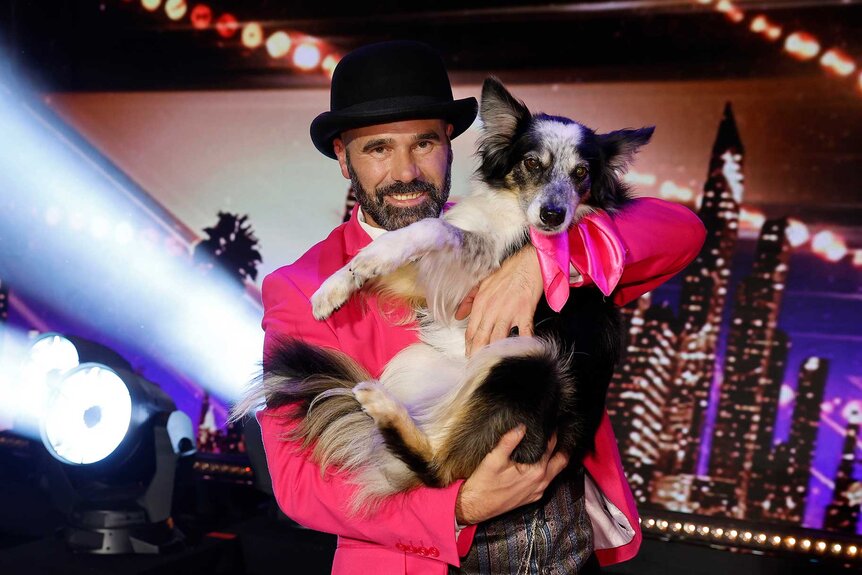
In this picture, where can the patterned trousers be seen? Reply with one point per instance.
(551, 537)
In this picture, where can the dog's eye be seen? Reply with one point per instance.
(532, 164)
(580, 172)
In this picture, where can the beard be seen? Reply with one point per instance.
(390, 217)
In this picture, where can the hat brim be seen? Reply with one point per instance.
(329, 125)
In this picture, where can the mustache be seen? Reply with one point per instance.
(408, 188)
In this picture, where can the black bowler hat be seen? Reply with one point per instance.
(388, 82)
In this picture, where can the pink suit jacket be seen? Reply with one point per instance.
(414, 532)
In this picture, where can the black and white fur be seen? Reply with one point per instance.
(434, 414)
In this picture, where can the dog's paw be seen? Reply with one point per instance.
(372, 263)
(377, 402)
(332, 294)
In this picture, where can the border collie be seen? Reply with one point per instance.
(434, 413)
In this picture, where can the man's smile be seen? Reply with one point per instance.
(406, 200)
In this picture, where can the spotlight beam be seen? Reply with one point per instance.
(144, 294)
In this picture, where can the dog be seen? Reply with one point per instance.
(434, 414)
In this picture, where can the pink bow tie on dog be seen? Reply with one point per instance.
(602, 258)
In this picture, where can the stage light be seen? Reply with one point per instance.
(759, 24)
(670, 191)
(115, 438)
(828, 245)
(857, 258)
(278, 44)
(730, 10)
(790, 541)
(802, 45)
(151, 5)
(201, 17)
(797, 233)
(176, 9)
(306, 56)
(50, 352)
(329, 63)
(252, 35)
(776, 540)
(805, 544)
(820, 546)
(227, 25)
(836, 548)
(639, 179)
(851, 550)
(689, 528)
(774, 33)
(751, 219)
(87, 416)
(837, 61)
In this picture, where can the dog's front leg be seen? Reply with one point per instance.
(383, 256)
(403, 439)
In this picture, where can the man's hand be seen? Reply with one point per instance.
(505, 299)
(499, 484)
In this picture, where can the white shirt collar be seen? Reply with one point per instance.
(373, 232)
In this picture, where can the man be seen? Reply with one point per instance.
(391, 121)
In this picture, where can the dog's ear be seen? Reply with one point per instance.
(618, 150)
(503, 117)
(500, 112)
(619, 147)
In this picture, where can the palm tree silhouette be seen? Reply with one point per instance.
(230, 245)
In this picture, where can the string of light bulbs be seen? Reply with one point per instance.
(825, 243)
(798, 44)
(301, 51)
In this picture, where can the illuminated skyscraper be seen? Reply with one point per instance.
(747, 384)
(842, 514)
(642, 384)
(633, 323)
(763, 453)
(789, 469)
(704, 292)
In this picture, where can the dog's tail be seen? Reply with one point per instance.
(319, 383)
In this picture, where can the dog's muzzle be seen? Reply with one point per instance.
(552, 216)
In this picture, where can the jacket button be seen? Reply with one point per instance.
(401, 547)
(422, 551)
(413, 549)
(433, 552)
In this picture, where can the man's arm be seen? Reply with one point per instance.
(423, 518)
(658, 239)
(426, 515)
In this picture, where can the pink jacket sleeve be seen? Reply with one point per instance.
(660, 238)
(626, 255)
(420, 518)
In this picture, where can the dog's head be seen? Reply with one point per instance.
(558, 168)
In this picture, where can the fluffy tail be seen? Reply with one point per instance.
(319, 383)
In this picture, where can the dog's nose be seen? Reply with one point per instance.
(552, 216)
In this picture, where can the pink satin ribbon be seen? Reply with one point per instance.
(599, 256)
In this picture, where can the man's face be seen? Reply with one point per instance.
(400, 172)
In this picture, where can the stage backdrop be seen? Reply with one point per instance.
(741, 391)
